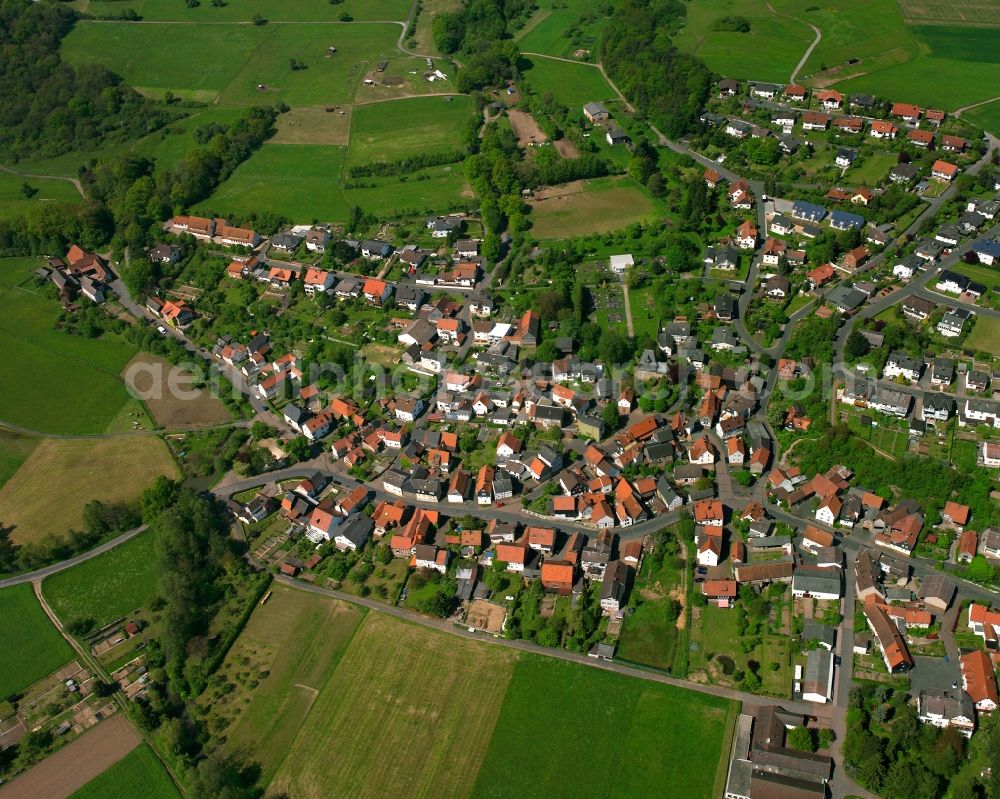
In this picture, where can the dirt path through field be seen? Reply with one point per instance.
(77, 763)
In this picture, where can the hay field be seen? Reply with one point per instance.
(47, 494)
(408, 712)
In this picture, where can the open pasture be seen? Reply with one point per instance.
(394, 130)
(32, 648)
(53, 381)
(13, 201)
(296, 11)
(769, 51)
(107, 587)
(47, 494)
(571, 84)
(590, 206)
(138, 774)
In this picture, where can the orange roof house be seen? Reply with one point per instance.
(557, 575)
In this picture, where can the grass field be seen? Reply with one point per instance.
(591, 206)
(49, 368)
(769, 51)
(187, 59)
(987, 275)
(423, 40)
(244, 10)
(107, 587)
(299, 639)
(872, 169)
(954, 67)
(14, 451)
(653, 740)
(32, 647)
(428, 711)
(427, 700)
(987, 115)
(560, 28)
(313, 125)
(48, 493)
(138, 774)
(303, 182)
(399, 129)
(14, 203)
(571, 84)
(985, 336)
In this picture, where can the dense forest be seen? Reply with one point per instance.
(48, 107)
(668, 86)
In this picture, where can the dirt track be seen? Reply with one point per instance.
(77, 763)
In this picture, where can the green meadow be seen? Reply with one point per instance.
(244, 10)
(398, 129)
(32, 647)
(107, 587)
(53, 381)
(571, 84)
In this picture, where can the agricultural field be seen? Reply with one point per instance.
(954, 67)
(298, 639)
(14, 451)
(303, 182)
(313, 125)
(51, 367)
(591, 206)
(169, 395)
(33, 648)
(448, 709)
(73, 766)
(137, 774)
(571, 84)
(948, 12)
(47, 494)
(647, 734)
(107, 587)
(433, 709)
(244, 10)
(400, 129)
(769, 51)
(13, 202)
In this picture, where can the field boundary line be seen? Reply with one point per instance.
(75, 181)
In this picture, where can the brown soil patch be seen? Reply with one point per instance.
(678, 594)
(566, 148)
(562, 190)
(169, 396)
(525, 128)
(77, 763)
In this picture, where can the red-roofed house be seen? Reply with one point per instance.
(942, 170)
(979, 680)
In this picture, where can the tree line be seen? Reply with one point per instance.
(667, 86)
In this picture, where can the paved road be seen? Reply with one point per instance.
(55, 568)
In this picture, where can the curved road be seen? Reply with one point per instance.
(55, 568)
